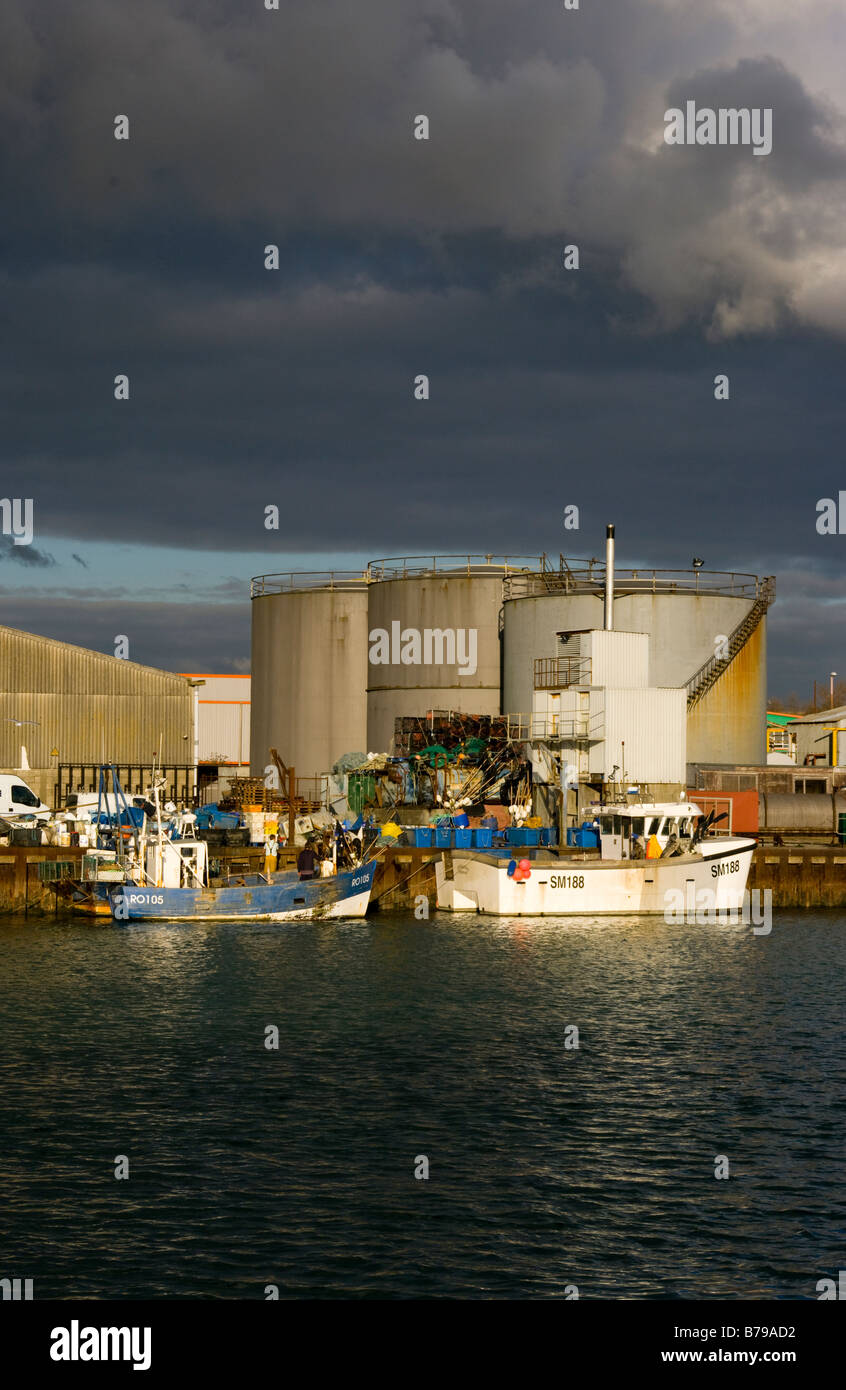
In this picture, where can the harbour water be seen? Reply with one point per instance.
(550, 1166)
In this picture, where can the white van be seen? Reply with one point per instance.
(17, 799)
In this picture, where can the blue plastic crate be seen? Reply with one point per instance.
(514, 835)
(531, 837)
(463, 838)
(423, 836)
(549, 835)
(483, 837)
(443, 836)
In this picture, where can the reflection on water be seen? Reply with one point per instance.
(549, 1165)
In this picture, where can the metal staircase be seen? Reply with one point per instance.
(711, 670)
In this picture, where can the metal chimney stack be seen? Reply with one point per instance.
(609, 578)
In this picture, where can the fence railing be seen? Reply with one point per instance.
(541, 728)
(415, 566)
(557, 672)
(294, 581)
(586, 577)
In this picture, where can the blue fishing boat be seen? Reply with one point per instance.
(147, 872)
(281, 897)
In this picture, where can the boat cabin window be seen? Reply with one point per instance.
(636, 825)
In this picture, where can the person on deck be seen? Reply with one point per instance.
(307, 861)
(271, 851)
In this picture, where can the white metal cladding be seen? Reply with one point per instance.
(618, 658)
(224, 733)
(653, 725)
(223, 717)
(88, 706)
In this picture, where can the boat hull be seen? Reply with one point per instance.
(285, 898)
(714, 879)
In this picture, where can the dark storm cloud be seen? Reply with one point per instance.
(29, 556)
(171, 636)
(399, 257)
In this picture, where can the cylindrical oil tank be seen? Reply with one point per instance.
(800, 811)
(434, 640)
(309, 670)
(686, 615)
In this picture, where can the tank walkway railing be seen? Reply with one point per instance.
(295, 581)
(586, 577)
(559, 672)
(710, 671)
(419, 566)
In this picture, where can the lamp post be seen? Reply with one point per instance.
(832, 674)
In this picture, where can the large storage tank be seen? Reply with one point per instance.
(688, 615)
(309, 670)
(437, 621)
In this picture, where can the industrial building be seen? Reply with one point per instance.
(223, 730)
(338, 659)
(65, 709)
(781, 738)
(820, 738)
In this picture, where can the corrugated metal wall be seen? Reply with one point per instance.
(618, 658)
(88, 706)
(224, 733)
(653, 724)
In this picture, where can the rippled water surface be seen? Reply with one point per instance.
(548, 1166)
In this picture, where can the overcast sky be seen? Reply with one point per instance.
(398, 256)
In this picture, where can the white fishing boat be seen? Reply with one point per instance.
(686, 870)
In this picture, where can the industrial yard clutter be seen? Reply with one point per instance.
(547, 737)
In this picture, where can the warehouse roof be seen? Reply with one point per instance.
(824, 716)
